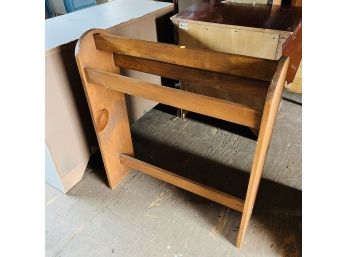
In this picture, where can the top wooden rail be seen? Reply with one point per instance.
(237, 65)
(255, 85)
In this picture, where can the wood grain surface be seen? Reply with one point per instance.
(107, 108)
(230, 111)
(271, 17)
(237, 65)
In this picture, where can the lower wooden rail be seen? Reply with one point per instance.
(184, 183)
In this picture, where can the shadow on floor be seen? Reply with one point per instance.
(277, 208)
(225, 125)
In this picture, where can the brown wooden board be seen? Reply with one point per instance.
(272, 17)
(293, 48)
(230, 111)
(184, 183)
(107, 108)
(237, 65)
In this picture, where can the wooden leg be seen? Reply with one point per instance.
(112, 129)
(253, 185)
(267, 123)
(262, 145)
(107, 107)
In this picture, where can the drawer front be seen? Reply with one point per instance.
(237, 41)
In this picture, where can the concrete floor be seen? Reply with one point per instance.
(146, 217)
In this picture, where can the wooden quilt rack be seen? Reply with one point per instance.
(256, 85)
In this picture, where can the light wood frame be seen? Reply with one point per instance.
(99, 56)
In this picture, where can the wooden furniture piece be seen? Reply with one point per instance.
(69, 132)
(258, 30)
(258, 82)
(181, 5)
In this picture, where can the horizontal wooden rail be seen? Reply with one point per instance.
(248, 90)
(205, 105)
(184, 183)
(237, 65)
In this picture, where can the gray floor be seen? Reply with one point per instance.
(146, 217)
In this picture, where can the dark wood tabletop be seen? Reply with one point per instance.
(284, 18)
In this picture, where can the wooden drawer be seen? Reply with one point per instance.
(230, 40)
